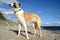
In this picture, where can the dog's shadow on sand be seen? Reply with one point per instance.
(16, 31)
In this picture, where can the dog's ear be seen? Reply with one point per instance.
(19, 4)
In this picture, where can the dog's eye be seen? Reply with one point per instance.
(14, 3)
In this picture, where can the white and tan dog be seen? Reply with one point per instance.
(26, 17)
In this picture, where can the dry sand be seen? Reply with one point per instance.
(10, 33)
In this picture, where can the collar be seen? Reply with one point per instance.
(17, 10)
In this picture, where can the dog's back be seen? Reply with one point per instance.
(29, 17)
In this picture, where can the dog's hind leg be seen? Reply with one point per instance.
(19, 30)
(39, 25)
(33, 24)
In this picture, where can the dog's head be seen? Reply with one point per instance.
(15, 5)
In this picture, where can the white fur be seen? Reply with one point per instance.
(22, 21)
(19, 15)
(33, 25)
(19, 30)
(12, 4)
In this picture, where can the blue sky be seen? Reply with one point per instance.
(48, 10)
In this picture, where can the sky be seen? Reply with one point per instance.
(48, 10)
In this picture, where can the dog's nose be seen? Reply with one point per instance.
(9, 4)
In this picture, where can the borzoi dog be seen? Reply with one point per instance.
(26, 17)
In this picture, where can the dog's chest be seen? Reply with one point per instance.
(19, 16)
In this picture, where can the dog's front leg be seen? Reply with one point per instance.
(26, 32)
(25, 26)
(19, 30)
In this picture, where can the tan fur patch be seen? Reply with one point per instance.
(29, 17)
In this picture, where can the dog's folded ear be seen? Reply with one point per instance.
(19, 4)
(9, 4)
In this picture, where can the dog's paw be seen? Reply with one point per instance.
(34, 34)
(27, 37)
(40, 35)
(17, 35)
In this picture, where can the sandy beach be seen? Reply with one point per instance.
(9, 32)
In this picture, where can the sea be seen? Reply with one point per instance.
(54, 28)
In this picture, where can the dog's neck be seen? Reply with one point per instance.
(18, 11)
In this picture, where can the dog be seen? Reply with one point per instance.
(26, 17)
